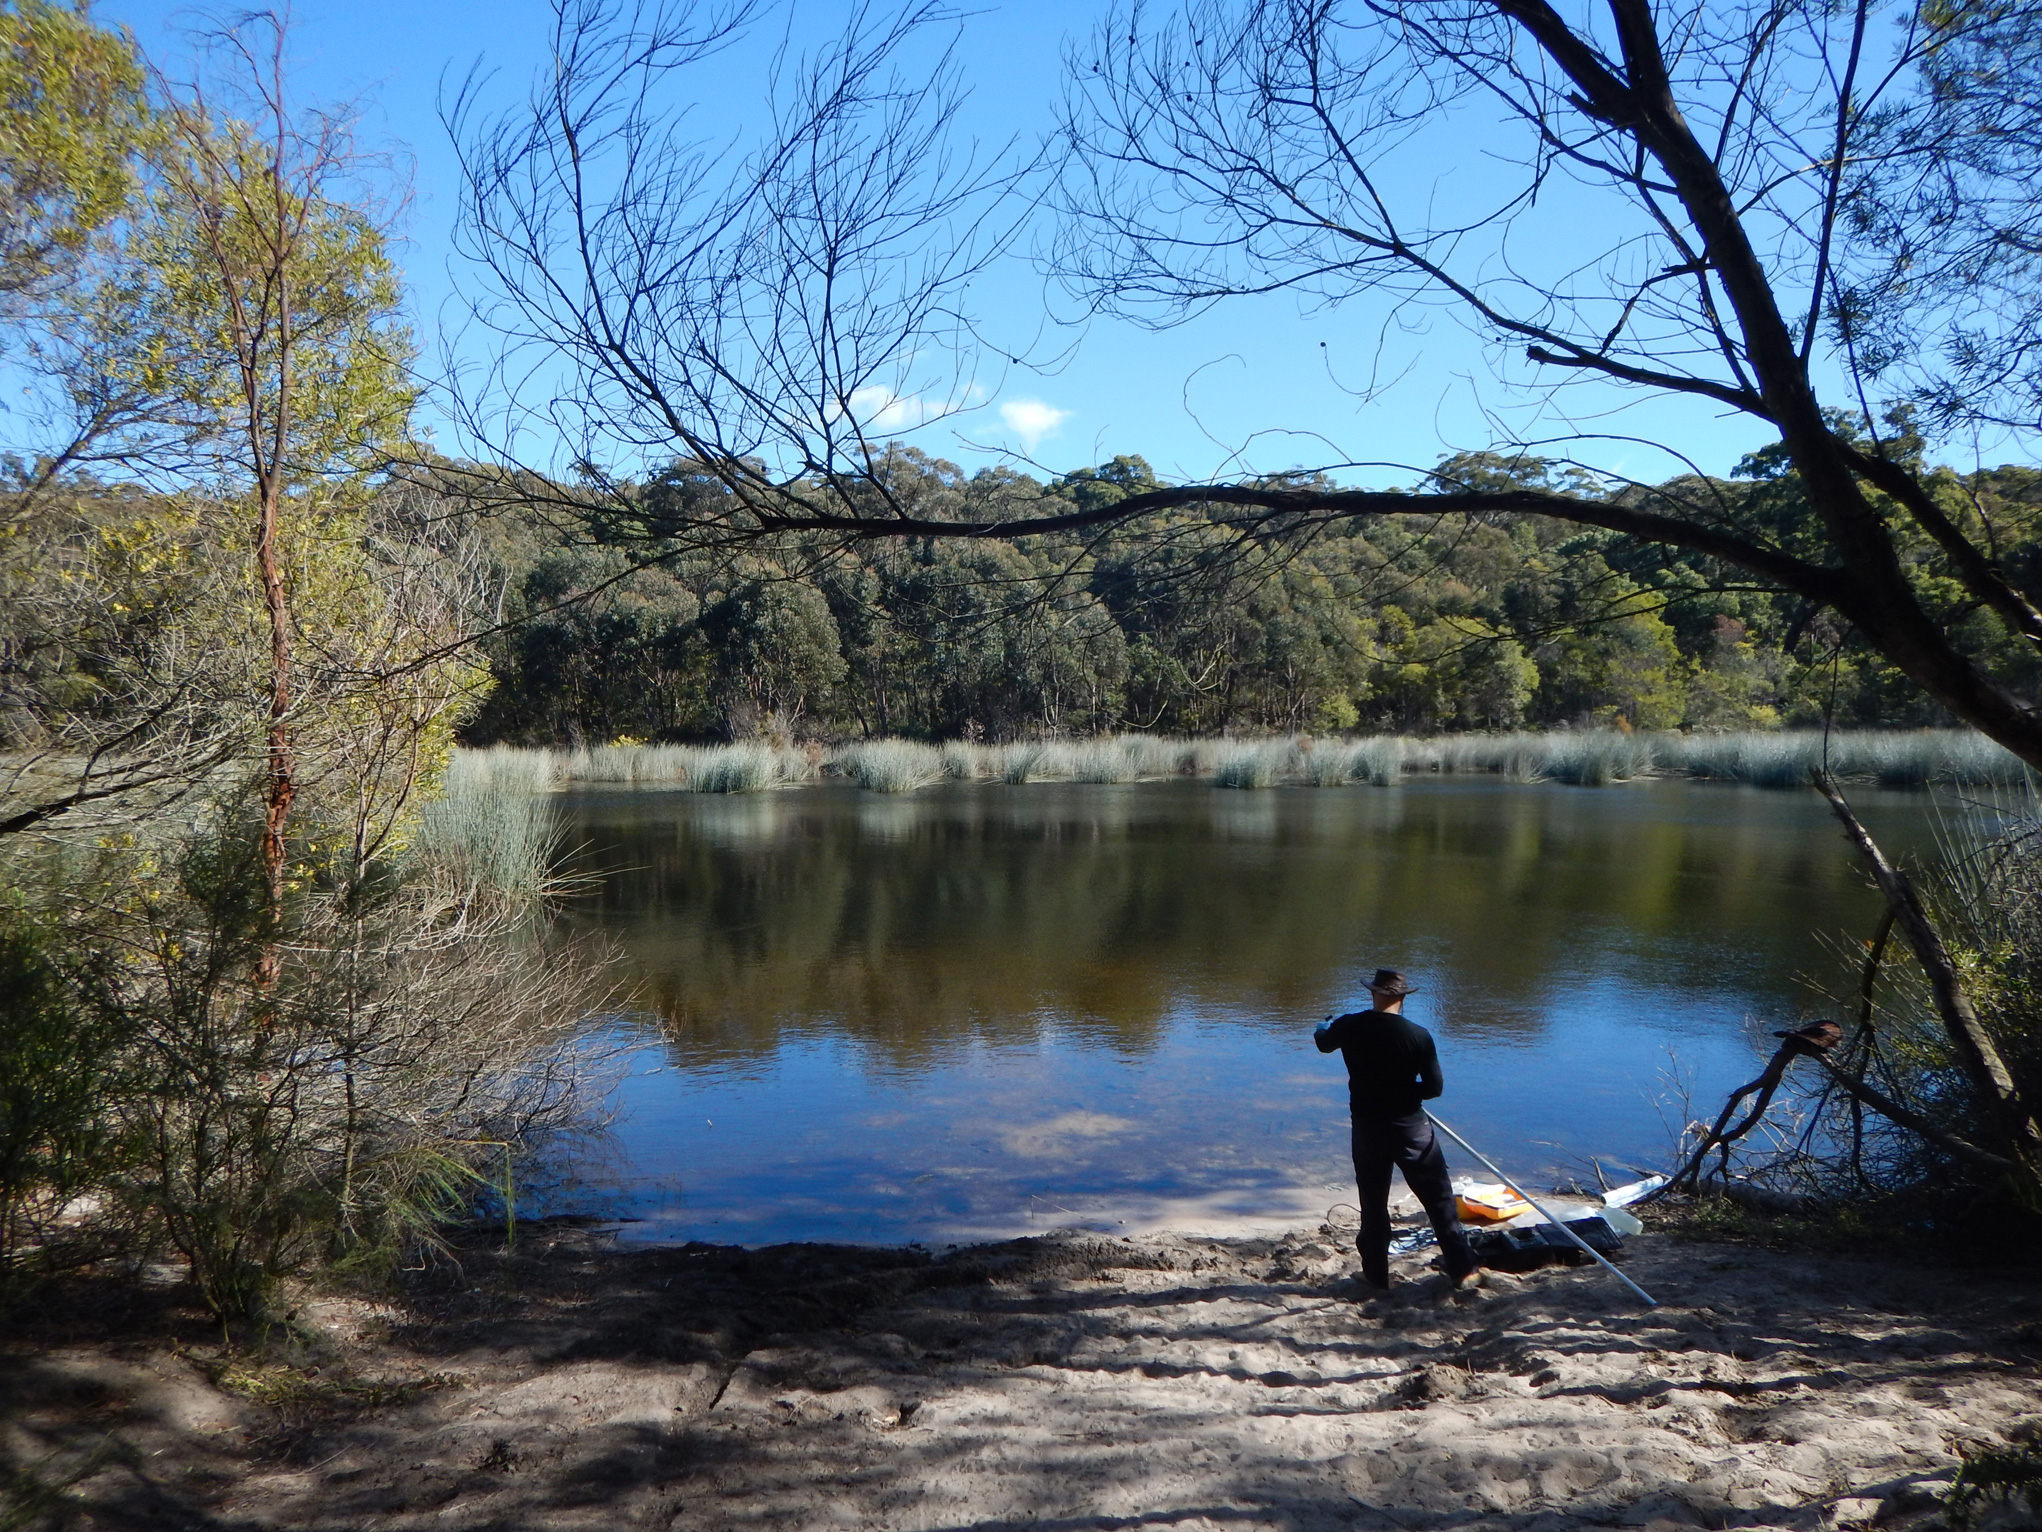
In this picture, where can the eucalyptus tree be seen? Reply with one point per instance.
(1696, 200)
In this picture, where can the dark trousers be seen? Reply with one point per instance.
(1409, 1145)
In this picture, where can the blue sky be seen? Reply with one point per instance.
(1257, 384)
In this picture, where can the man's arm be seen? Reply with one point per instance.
(1328, 1034)
(1429, 1082)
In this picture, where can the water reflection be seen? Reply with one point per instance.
(956, 999)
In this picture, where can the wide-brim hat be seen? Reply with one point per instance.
(1389, 982)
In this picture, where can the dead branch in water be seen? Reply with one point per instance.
(1974, 1047)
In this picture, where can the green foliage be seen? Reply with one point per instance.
(1378, 625)
(229, 280)
(776, 647)
(284, 1001)
(380, 1081)
(1990, 1476)
(72, 117)
(58, 1073)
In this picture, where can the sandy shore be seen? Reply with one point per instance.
(1065, 1382)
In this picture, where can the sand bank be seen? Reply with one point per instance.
(1066, 1382)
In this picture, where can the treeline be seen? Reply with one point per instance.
(1400, 624)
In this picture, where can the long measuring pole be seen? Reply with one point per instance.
(1594, 1254)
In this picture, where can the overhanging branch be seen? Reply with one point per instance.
(1810, 580)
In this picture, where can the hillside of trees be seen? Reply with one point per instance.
(1499, 621)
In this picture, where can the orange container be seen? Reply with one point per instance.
(1490, 1204)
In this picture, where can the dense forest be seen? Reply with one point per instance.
(1498, 621)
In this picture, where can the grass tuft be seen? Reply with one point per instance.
(892, 765)
(1262, 764)
(738, 769)
(496, 825)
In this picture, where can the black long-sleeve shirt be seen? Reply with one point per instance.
(1392, 1066)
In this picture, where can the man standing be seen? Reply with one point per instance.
(1392, 1068)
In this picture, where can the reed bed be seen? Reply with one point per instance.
(1582, 757)
(494, 825)
(742, 768)
(1890, 757)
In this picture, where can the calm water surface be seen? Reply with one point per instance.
(981, 1010)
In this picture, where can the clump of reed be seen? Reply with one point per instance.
(966, 762)
(1023, 763)
(1103, 760)
(742, 769)
(1329, 763)
(1159, 755)
(892, 765)
(1595, 758)
(495, 825)
(1263, 763)
(1335, 762)
(636, 765)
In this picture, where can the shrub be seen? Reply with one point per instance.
(262, 1096)
(59, 1073)
(1989, 1476)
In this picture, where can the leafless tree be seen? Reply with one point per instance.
(1772, 208)
(661, 289)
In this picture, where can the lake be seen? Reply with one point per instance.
(982, 1010)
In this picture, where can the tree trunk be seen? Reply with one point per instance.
(280, 783)
(2011, 1118)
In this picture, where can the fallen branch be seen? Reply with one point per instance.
(1720, 1134)
(1974, 1048)
(1886, 1106)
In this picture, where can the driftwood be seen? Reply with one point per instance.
(2019, 1149)
(1757, 1199)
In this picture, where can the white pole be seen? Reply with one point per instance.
(1555, 1222)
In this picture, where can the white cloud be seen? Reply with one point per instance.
(1032, 420)
(877, 408)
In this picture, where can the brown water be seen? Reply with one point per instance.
(980, 1009)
